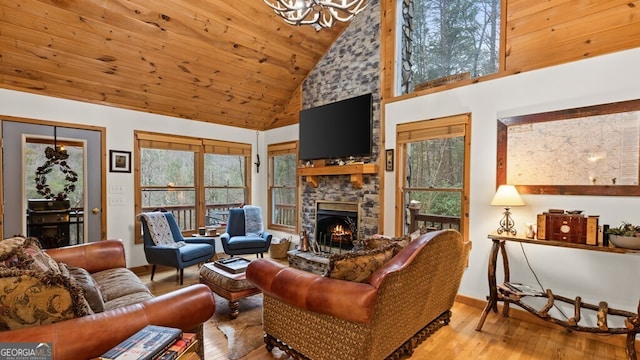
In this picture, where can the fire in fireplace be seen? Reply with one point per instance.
(336, 225)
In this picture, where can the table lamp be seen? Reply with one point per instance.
(507, 196)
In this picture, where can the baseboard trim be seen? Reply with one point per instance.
(516, 313)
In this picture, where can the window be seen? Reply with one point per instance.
(442, 38)
(34, 154)
(226, 169)
(56, 179)
(195, 179)
(168, 180)
(282, 185)
(435, 165)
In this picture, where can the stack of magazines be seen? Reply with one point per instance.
(521, 289)
(152, 343)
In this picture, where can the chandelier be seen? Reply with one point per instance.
(317, 13)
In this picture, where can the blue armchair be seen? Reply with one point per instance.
(164, 244)
(245, 237)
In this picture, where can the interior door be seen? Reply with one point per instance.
(14, 137)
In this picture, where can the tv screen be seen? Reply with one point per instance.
(336, 130)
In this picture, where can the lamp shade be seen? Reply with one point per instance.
(507, 195)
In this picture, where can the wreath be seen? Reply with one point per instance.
(55, 158)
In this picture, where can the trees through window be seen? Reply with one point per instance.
(434, 159)
(198, 180)
(441, 38)
(282, 185)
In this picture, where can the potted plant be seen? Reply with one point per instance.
(626, 236)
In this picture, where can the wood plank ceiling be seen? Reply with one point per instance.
(226, 62)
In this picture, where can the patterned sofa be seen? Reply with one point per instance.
(385, 316)
(84, 301)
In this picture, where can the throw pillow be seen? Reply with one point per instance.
(11, 253)
(40, 260)
(31, 298)
(26, 253)
(378, 241)
(359, 265)
(92, 292)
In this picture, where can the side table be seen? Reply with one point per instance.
(497, 294)
(232, 287)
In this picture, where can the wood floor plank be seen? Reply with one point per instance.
(500, 338)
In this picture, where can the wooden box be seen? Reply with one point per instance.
(573, 228)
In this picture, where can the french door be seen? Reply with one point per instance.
(23, 158)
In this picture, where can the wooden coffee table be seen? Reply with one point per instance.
(232, 287)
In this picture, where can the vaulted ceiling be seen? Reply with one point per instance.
(226, 62)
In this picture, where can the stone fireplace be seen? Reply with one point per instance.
(340, 74)
(337, 224)
(336, 196)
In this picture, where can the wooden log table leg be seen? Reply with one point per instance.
(631, 345)
(505, 266)
(492, 301)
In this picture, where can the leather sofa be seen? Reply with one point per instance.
(383, 317)
(91, 335)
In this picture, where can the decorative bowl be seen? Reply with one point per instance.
(627, 242)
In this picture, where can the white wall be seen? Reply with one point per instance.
(593, 275)
(120, 125)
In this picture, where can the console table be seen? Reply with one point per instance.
(498, 293)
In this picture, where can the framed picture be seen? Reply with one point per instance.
(119, 161)
(389, 160)
(592, 150)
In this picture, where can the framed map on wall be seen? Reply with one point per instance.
(592, 150)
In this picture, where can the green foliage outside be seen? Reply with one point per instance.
(452, 37)
(168, 177)
(435, 175)
(224, 179)
(165, 174)
(34, 157)
(284, 189)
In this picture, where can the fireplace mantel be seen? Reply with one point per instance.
(355, 170)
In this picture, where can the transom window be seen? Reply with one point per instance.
(448, 40)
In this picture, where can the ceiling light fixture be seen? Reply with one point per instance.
(317, 13)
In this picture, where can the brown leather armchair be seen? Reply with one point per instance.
(90, 336)
(385, 316)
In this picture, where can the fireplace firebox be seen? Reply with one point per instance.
(336, 225)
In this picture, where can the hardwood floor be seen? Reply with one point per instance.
(500, 338)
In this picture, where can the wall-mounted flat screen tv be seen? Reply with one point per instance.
(336, 130)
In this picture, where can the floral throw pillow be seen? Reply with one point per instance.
(40, 260)
(359, 265)
(378, 241)
(26, 253)
(31, 298)
(11, 251)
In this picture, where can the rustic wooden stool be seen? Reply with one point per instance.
(232, 287)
